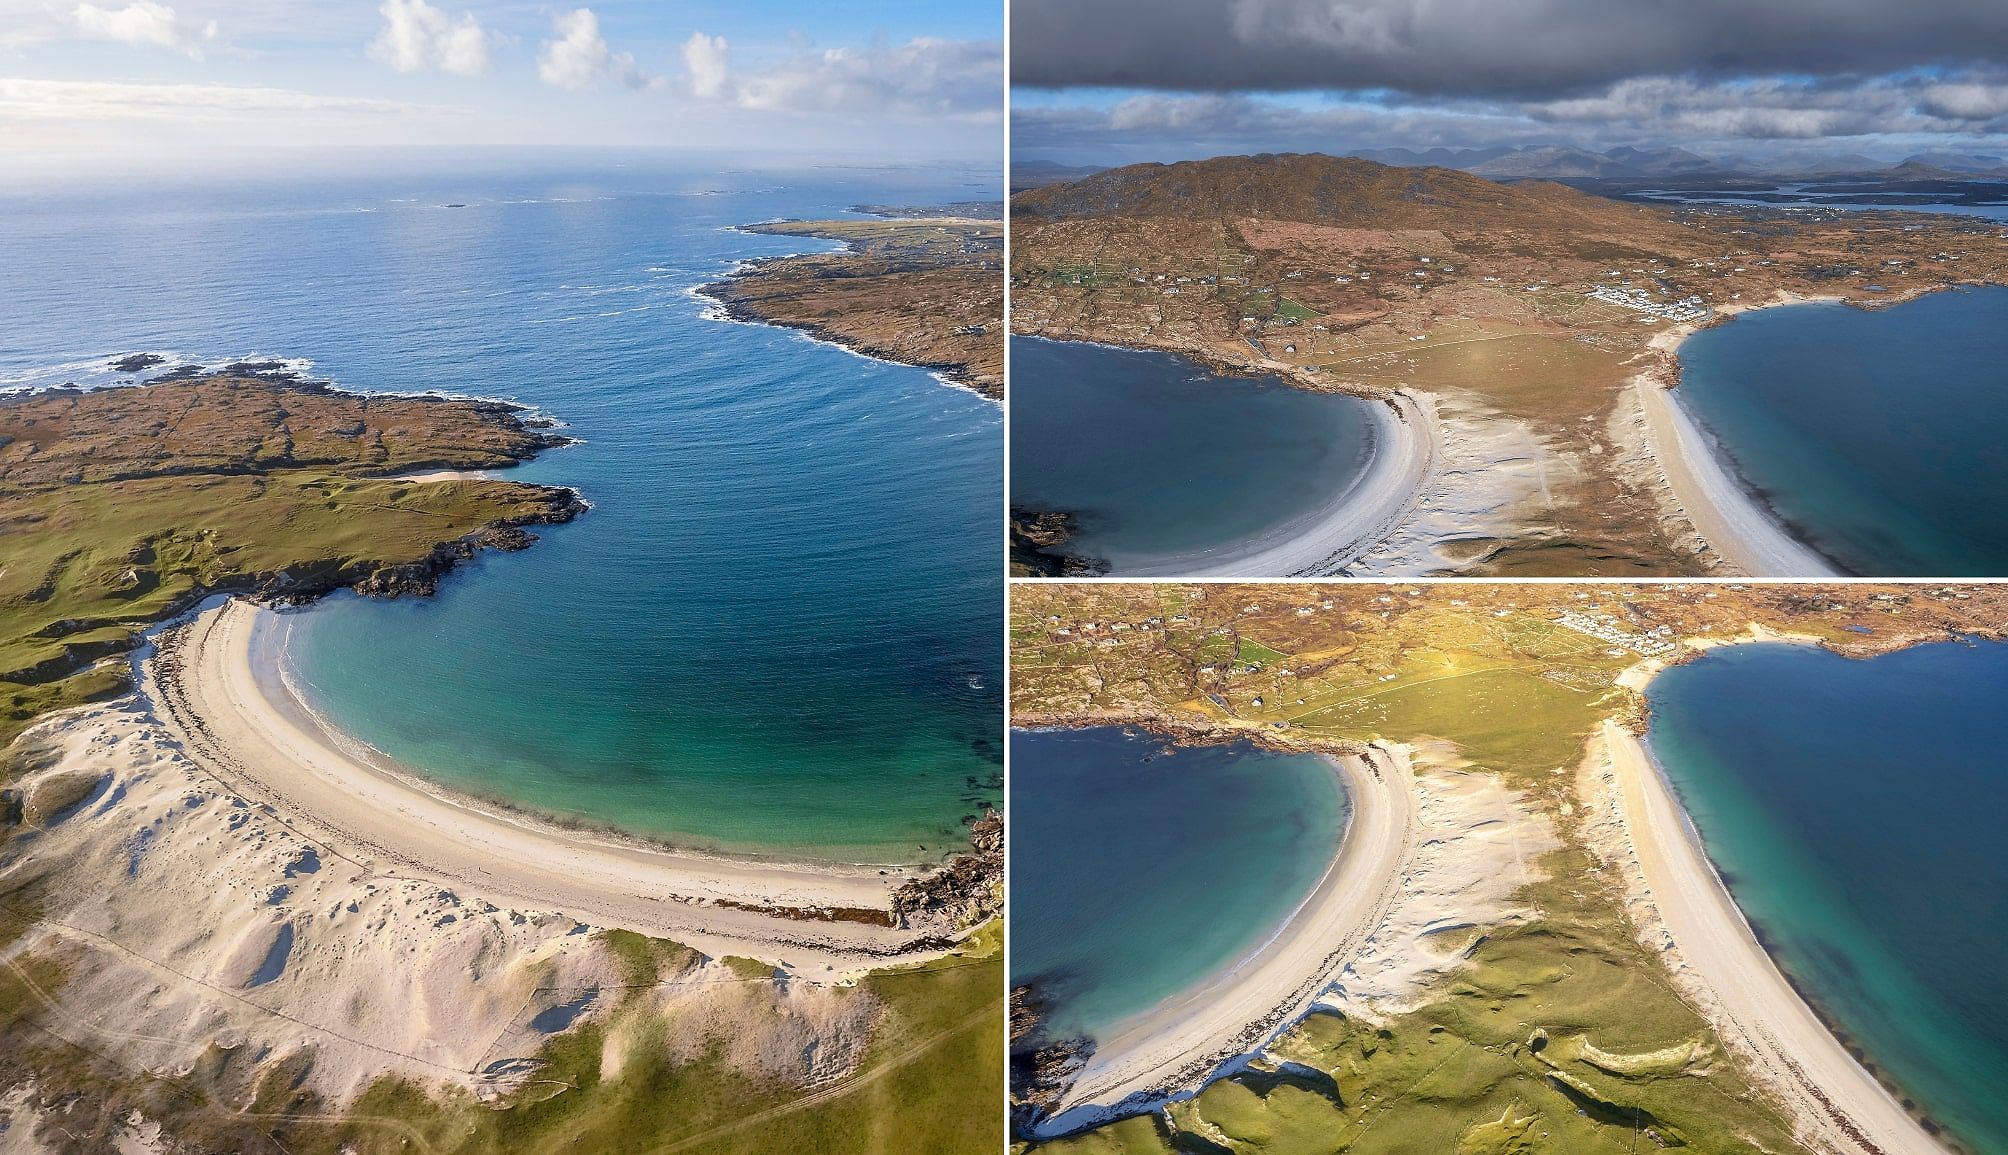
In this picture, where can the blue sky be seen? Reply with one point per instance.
(150, 78)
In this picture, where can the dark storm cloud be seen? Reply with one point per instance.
(1523, 49)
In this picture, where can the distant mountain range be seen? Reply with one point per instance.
(1554, 162)
(1033, 173)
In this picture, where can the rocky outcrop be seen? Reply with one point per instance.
(1036, 538)
(966, 890)
(1042, 1068)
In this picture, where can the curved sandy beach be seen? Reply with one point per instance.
(1183, 1040)
(1728, 518)
(1355, 520)
(1839, 1105)
(212, 689)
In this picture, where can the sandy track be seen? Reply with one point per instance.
(1356, 520)
(240, 725)
(1185, 1039)
(1841, 1108)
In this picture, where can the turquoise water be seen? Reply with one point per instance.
(1856, 809)
(1880, 438)
(777, 630)
(1135, 873)
(1162, 461)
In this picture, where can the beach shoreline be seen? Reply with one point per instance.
(211, 689)
(722, 305)
(1730, 519)
(1355, 520)
(1426, 847)
(1178, 1045)
(1686, 913)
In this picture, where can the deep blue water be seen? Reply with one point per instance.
(779, 627)
(1856, 809)
(1162, 460)
(1879, 437)
(1136, 873)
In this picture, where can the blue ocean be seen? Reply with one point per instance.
(777, 630)
(1855, 808)
(1880, 438)
(1137, 871)
(1162, 461)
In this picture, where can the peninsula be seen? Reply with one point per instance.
(918, 286)
(1520, 943)
(1526, 333)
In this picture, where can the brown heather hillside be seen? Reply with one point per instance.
(1339, 192)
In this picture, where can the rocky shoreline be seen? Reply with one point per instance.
(1036, 538)
(924, 289)
(733, 307)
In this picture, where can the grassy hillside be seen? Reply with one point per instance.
(123, 506)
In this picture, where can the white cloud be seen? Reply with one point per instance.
(142, 23)
(417, 36)
(579, 55)
(705, 57)
(924, 77)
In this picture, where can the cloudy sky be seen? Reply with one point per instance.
(149, 77)
(1102, 81)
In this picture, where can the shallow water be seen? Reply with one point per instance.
(1880, 438)
(778, 630)
(1162, 460)
(1856, 810)
(1136, 873)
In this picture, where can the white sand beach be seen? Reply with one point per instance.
(214, 691)
(1685, 911)
(1358, 517)
(1731, 522)
(1425, 850)
(210, 871)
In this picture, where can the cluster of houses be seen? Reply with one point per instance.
(1607, 629)
(1638, 300)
